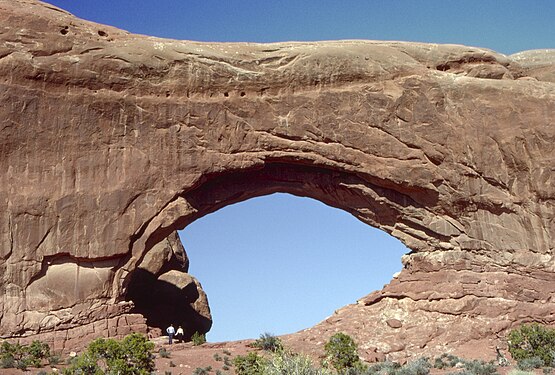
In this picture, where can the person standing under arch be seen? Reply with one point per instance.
(170, 331)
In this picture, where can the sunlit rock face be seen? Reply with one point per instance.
(109, 142)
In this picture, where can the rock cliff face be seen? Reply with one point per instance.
(110, 142)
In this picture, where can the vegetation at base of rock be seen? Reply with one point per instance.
(281, 362)
(198, 338)
(446, 360)
(341, 353)
(530, 363)
(130, 356)
(23, 356)
(292, 363)
(268, 342)
(250, 364)
(533, 341)
(479, 367)
(420, 366)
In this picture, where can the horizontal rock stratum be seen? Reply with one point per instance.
(110, 142)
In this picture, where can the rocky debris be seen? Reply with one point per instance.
(110, 142)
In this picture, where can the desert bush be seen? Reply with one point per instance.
(163, 353)
(23, 356)
(130, 356)
(202, 370)
(382, 368)
(217, 357)
(533, 340)
(479, 367)
(341, 353)
(38, 352)
(250, 364)
(268, 342)
(530, 363)
(54, 359)
(520, 372)
(419, 367)
(292, 364)
(198, 338)
(446, 361)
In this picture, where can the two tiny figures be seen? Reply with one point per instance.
(173, 333)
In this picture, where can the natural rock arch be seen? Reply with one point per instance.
(112, 141)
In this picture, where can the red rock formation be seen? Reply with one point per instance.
(111, 141)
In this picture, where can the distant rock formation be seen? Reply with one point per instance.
(110, 142)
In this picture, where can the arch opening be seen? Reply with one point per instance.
(281, 263)
(367, 198)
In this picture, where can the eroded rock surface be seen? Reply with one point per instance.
(109, 142)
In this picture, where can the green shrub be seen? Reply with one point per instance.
(446, 361)
(520, 372)
(533, 340)
(268, 342)
(479, 367)
(341, 352)
(23, 356)
(54, 360)
(292, 364)
(198, 338)
(419, 367)
(383, 368)
(217, 357)
(530, 363)
(164, 353)
(202, 371)
(130, 356)
(38, 352)
(250, 364)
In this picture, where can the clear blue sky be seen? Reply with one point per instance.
(279, 263)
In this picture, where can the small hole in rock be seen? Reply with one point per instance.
(226, 94)
(102, 33)
(64, 31)
(243, 93)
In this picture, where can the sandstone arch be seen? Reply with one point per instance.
(111, 141)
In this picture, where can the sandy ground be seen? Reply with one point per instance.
(184, 359)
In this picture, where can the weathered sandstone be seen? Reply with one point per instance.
(110, 142)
